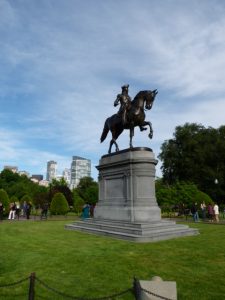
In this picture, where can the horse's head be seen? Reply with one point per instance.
(150, 97)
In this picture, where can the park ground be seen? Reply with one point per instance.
(89, 266)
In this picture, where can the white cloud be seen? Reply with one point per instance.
(62, 66)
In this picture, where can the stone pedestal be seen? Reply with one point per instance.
(127, 187)
(157, 288)
(127, 207)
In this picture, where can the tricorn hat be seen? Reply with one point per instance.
(125, 86)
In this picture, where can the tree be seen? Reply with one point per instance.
(4, 198)
(14, 199)
(88, 190)
(91, 194)
(9, 176)
(179, 194)
(59, 205)
(40, 198)
(196, 154)
(60, 186)
(201, 196)
(78, 202)
(19, 185)
(26, 198)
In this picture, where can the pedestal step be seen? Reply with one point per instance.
(137, 232)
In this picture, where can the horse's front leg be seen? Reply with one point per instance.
(150, 128)
(142, 128)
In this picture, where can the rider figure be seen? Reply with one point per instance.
(125, 103)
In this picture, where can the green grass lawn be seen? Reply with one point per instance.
(85, 265)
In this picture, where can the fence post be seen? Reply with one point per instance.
(137, 289)
(31, 286)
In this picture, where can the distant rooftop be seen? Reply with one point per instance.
(78, 157)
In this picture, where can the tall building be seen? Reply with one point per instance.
(67, 175)
(80, 167)
(37, 177)
(51, 170)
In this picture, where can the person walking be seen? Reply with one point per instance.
(210, 212)
(28, 210)
(203, 209)
(44, 211)
(1, 211)
(194, 211)
(12, 211)
(24, 209)
(18, 210)
(216, 212)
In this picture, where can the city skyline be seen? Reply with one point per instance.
(49, 166)
(64, 62)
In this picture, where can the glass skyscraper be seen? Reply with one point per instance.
(51, 170)
(80, 167)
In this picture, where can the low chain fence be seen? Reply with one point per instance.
(135, 290)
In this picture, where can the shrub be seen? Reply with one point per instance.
(59, 205)
(201, 196)
(4, 198)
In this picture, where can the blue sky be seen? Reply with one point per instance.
(63, 62)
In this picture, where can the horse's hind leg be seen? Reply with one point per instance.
(110, 146)
(113, 141)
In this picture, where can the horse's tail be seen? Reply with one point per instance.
(104, 132)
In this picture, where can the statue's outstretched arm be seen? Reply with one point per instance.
(116, 102)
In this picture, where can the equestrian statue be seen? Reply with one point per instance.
(130, 115)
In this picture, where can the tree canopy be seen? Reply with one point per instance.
(185, 193)
(60, 186)
(88, 190)
(4, 198)
(196, 154)
(19, 185)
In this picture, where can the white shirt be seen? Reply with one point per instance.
(216, 209)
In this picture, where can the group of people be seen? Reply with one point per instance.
(207, 211)
(18, 210)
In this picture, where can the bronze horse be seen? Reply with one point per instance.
(135, 117)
